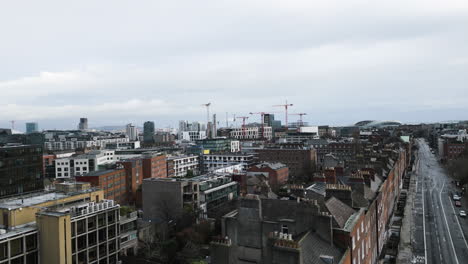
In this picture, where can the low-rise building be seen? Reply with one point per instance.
(112, 182)
(179, 166)
(66, 168)
(276, 173)
(300, 159)
(277, 232)
(211, 162)
(252, 132)
(167, 198)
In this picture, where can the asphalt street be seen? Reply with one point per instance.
(439, 233)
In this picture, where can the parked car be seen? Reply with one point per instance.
(457, 203)
(456, 197)
(462, 213)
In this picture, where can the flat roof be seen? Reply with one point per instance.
(99, 172)
(18, 230)
(37, 198)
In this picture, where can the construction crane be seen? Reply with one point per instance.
(300, 118)
(262, 114)
(285, 111)
(243, 124)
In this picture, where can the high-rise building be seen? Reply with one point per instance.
(32, 127)
(21, 169)
(268, 119)
(132, 132)
(148, 132)
(83, 125)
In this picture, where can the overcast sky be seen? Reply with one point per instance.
(128, 61)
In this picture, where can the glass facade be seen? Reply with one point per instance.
(21, 169)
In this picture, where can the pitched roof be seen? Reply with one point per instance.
(340, 211)
(315, 249)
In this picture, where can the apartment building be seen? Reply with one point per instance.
(252, 132)
(211, 162)
(178, 166)
(66, 168)
(55, 140)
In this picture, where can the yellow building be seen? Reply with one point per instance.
(51, 238)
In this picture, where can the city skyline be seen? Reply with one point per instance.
(160, 61)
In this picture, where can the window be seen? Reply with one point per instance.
(81, 242)
(31, 242)
(92, 238)
(80, 226)
(354, 245)
(92, 223)
(3, 251)
(284, 229)
(16, 246)
(363, 246)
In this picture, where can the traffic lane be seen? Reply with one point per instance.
(439, 241)
(456, 235)
(457, 226)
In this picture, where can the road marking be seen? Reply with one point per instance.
(458, 222)
(446, 224)
(424, 215)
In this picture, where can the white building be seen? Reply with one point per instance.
(178, 166)
(82, 164)
(193, 135)
(212, 162)
(235, 146)
(65, 143)
(252, 133)
(132, 132)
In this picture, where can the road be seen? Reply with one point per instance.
(438, 232)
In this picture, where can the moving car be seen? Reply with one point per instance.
(457, 203)
(462, 213)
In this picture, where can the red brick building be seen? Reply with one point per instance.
(111, 181)
(133, 177)
(278, 173)
(154, 166)
(299, 159)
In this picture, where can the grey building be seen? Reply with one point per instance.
(277, 232)
(148, 132)
(165, 198)
(32, 127)
(83, 125)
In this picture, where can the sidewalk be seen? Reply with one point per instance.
(405, 250)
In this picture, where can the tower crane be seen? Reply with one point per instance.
(262, 114)
(286, 105)
(243, 124)
(300, 118)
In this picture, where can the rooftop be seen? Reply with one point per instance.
(37, 198)
(100, 172)
(18, 230)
